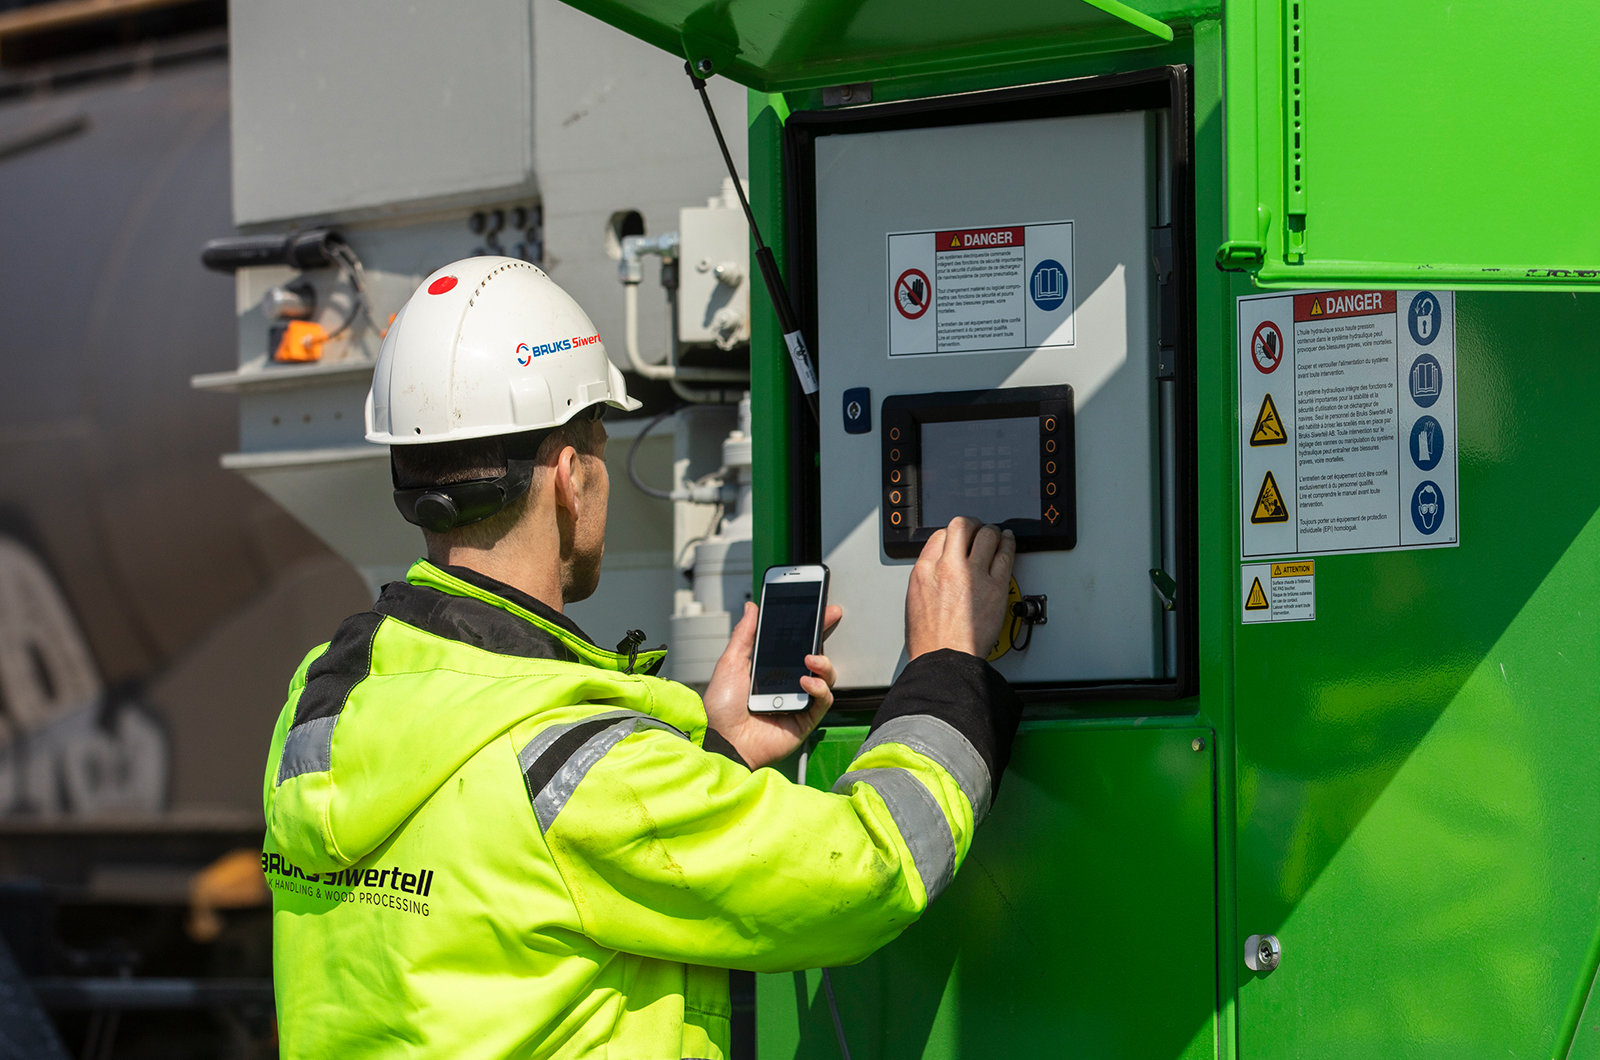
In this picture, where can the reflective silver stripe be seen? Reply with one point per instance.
(921, 822)
(943, 743)
(541, 743)
(308, 748)
(550, 801)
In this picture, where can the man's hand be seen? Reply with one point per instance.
(957, 597)
(762, 739)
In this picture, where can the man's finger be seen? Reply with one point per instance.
(821, 699)
(811, 717)
(830, 619)
(958, 540)
(985, 543)
(1005, 557)
(821, 666)
(743, 638)
(934, 549)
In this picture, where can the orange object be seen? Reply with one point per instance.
(302, 341)
(233, 881)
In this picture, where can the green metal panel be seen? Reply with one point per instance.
(1419, 817)
(1369, 140)
(776, 46)
(1082, 923)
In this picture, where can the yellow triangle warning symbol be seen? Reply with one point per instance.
(1316, 307)
(1269, 503)
(1269, 426)
(1257, 600)
(955, 241)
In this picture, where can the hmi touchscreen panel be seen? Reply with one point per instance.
(1002, 456)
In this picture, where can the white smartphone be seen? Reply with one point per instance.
(793, 600)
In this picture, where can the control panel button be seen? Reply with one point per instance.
(896, 476)
(1052, 516)
(1049, 467)
(897, 518)
(857, 410)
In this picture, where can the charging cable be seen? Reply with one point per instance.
(827, 980)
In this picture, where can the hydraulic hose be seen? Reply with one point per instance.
(633, 451)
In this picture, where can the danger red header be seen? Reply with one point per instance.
(978, 239)
(1335, 304)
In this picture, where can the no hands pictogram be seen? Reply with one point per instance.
(912, 294)
(1266, 347)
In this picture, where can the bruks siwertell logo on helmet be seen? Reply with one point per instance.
(526, 353)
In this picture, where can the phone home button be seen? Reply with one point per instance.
(777, 701)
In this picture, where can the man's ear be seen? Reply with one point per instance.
(568, 480)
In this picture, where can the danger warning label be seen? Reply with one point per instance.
(1347, 424)
(1008, 287)
(1279, 592)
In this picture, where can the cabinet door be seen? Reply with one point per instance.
(1375, 141)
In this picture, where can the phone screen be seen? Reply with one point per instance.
(788, 624)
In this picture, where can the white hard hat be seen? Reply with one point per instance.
(488, 346)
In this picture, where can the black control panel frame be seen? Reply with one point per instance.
(900, 428)
(1164, 88)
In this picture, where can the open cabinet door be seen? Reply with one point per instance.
(783, 45)
(1451, 142)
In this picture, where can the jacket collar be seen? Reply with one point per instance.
(461, 604)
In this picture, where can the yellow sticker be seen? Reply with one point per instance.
(1257, 600)
(1008, 628)
(1269, 503)
(1269, 425)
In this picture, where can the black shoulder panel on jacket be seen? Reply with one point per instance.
(965, 692)
(470, 621)
(543, 769)
(337, 671)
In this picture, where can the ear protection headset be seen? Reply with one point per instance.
(445, 507)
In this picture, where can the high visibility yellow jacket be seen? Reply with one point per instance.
(488, 838)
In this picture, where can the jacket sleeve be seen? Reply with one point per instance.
(673, 852)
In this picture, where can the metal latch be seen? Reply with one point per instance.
(1262, 953)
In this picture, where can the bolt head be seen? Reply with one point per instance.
(1198, 743)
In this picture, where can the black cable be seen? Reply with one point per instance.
(805, 369)
(350, 267)
(633, 474)
(833, 1006)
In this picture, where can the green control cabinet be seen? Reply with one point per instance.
(1311, 759)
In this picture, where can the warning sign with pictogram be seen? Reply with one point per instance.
(912, 294)
(1005, 288)
(1269, 503)
(1346, 420)
(1266, 347)
(1279, 592)
(1269, 425)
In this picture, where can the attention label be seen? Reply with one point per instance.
(1347, 422)
(980, 290)
(1279, 592)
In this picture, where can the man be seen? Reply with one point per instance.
(488, 837)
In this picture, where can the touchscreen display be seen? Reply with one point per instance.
(788, 624)
(986, 469)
